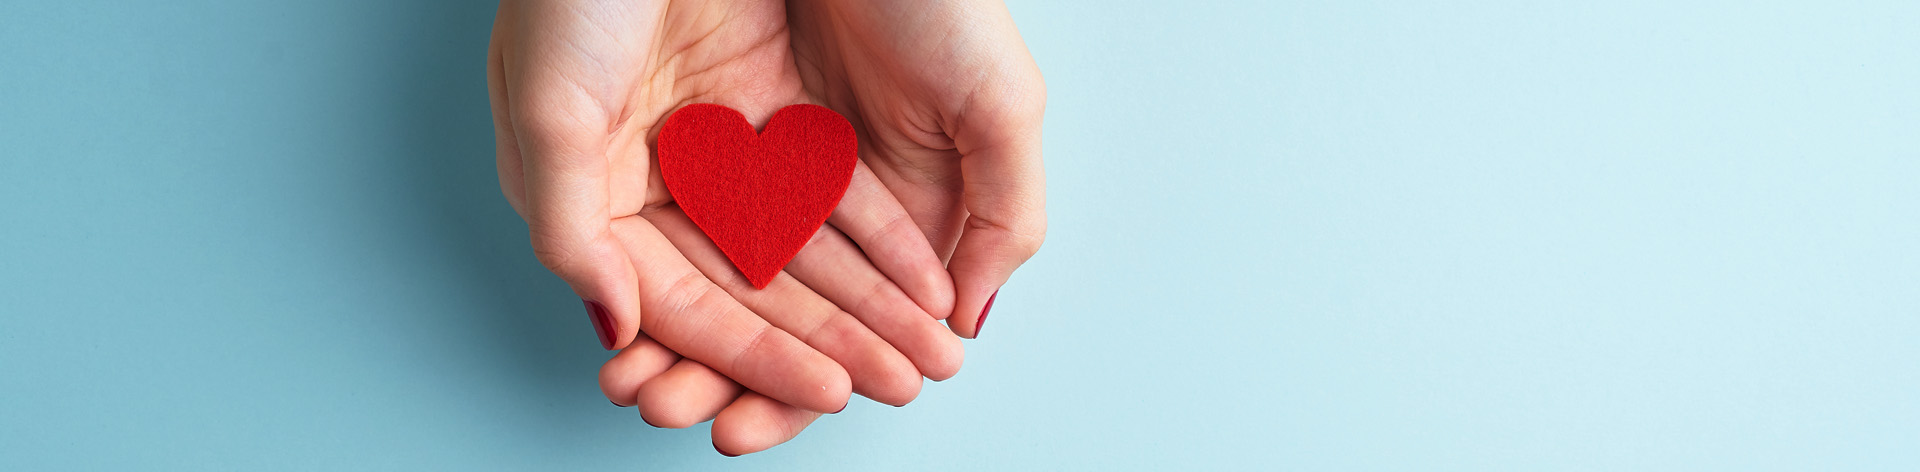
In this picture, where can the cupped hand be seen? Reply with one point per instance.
(578, 87)
(948, 104)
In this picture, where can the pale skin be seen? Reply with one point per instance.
(947, 103)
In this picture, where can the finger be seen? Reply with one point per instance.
(685, 395)
(700, 321)
(833, 266)
(561, 133)
(878, 370)
(871, 215)
(642, 360)
(1005, 196)
(754, 423)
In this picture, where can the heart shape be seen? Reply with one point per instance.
(760, 197)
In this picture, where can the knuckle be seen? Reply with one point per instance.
(819, 235)
(876, 298)
(817, 327)
(754, 343)
(895, 229)
(1029, 242)
(1021, 237)
(687, 293)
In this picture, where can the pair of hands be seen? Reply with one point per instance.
(947, 202)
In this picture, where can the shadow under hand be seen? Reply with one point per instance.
(536, 354)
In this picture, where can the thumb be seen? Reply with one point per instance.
(1004, 191)
(565, 175)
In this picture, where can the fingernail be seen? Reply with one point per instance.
(616, 403)
(716, 448)
(842, 408)
(983, 314)
(602, 324)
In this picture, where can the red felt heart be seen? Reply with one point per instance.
(760, 197)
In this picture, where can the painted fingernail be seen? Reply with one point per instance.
(602, 324)
(983, 314)
(716, 448)
(842, 408)
(616, 403)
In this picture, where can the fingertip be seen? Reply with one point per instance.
(685, 395)
(923, 279)
(977, 281)
(603, 326)
(980, 266)
(965, 320)
(818, 385)
(836, 390)
(813, 381)
(990, 249)
(755, 423)
(897, 386)
(872, 218)
(964, 328)
(622, 376)
(945, 360)
(878, 370)
(938, 297)
(662, 413)
(626, 312)
(600, 272)
(909, 391)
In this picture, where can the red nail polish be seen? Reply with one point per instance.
(716, 448)
(983, 314)
(602, 324)
(616, 403)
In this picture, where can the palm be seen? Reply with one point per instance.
(894, 90)
(948, 104)
(636, 63)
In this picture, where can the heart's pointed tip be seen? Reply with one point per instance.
(760, 282)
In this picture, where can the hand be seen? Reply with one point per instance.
(948, 104)
(577, 89)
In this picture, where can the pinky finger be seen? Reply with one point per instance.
(685, 395)
(641, 361)
(755, 423)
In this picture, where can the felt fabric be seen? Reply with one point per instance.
(759, 197)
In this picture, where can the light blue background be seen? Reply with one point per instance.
(1336, 236)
